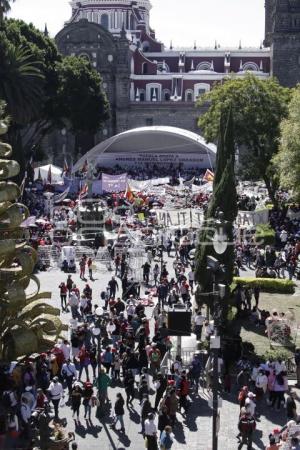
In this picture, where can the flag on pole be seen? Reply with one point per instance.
(66, 169)
(83, 191)
(39, 175)
(85, 167)
(49, 176)
(208, 176)
(22, 186)
(129, 194)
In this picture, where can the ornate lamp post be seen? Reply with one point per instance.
(220, 242)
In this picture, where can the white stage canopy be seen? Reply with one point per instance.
(158, 145)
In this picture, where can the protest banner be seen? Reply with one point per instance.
(114, 183)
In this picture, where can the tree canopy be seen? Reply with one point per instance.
(68, 93)
(287, 161)
(258, 108)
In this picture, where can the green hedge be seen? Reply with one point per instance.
(268, 284)
(264, 235)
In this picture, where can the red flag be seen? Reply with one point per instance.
(208, 176)
(129, 194)
(49, 176)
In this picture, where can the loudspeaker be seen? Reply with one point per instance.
(179, 323)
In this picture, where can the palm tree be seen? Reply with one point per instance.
(21, 81)
(4, 8)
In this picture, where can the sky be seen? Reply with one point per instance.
(182, 21)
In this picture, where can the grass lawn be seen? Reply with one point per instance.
(280, 302)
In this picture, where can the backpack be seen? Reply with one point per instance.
(167, 441)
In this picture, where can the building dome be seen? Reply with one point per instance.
(114, 14)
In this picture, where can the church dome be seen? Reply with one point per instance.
(113, 14)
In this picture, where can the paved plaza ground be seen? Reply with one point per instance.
(193, 432)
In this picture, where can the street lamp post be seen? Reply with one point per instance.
(220, 242)
(97, 333)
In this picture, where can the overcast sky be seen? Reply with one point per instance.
(182, 21)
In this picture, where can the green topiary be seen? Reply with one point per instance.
(265, 235)
(272, 285)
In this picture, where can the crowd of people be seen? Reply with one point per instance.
(116, 354)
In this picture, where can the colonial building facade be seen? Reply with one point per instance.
(147, 83)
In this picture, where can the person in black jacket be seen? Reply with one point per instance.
(163, 419)
(129, 387)
(119, 412)
(160, 386)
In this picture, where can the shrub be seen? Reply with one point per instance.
(280, 353)
(265, 235)
(272, 285)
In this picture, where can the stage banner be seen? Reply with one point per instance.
(114, 183)
(180, 218)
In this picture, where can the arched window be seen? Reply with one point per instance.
(250, 66)
(85, 56)
(144, 68)
(200, 89)
(166, 95)
(104, 21)
(204, 65)
(145, 46)
(189, 95)
(153, 92)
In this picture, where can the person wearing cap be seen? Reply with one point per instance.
(56, 392)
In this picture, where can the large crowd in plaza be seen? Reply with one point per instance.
(121, 341)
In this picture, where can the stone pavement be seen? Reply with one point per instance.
(194, 432)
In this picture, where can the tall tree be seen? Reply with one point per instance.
(64, 82)
(287, 161)
(5, 6)
(224, 198)
(21, 81)
(258, 108)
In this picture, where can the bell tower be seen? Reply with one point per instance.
(283, 36)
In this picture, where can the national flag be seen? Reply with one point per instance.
(129, 194)
(85, 167)
(49, 176)
(208, 176)
(83, 191)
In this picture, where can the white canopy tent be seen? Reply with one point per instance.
(43, 171)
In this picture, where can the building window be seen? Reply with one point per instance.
(85, 56)
(144, 68)
(149, 122)
(250, 67)
(145, 46)
(189, 95)
(142, 95)
(204, 65)
(200, 89)
(104, 21)
(166, 95)
(153, 92)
